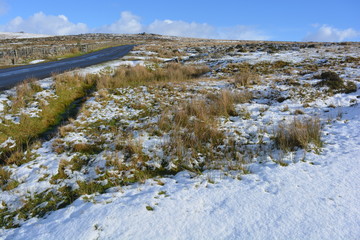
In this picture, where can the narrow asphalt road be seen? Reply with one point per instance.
(11, 76)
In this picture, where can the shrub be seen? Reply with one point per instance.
(335, 83)
(332, 80)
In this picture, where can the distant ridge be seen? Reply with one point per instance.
(12, 35)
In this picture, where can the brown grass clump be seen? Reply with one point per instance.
(246, 77)
(333, 81)
(223, 104)
(86, 148)
(4, 176)
(298, 133)
(15, 158)
(247, 74)
(24, 92)
(61, 171)
(127, 76)
(63, 130)
(192, 126)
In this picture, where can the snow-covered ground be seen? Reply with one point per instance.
(316, 199)
(12, 35)
(311, 194)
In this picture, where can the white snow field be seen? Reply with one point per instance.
(20, 35)
(317, 199)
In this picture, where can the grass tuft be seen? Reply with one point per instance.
(299, 133)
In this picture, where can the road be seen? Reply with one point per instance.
(11, 76)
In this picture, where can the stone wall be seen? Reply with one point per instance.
(23, 54)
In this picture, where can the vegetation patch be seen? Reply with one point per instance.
(333, 81)
(127, 76)
(68, 88)
(299, 133)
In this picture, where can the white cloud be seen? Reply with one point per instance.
(45, 24)
(128, 23)
(240, 32)
(181, 28)
(327, 33)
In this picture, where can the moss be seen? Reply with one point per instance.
(149, 208)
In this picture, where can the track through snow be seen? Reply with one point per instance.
(316, 199)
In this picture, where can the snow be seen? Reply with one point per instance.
(37, 61)
(109, 66)
(316, 199)
(301, 201)
(12, 35)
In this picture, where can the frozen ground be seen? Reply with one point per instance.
(317, 199)
(309, 194)
(11, 35)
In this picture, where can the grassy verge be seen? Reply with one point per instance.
(68, 88)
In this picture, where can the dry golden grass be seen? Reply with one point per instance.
(87, 148)
(192, 130)
(167, 51)
(24, 92)
(126, 76)
(61, 171)
(4, 176)
(63, 130)
(246, 77)
(223, 104)
(192, 125)
(298, 133)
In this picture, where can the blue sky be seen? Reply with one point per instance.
(229, 19)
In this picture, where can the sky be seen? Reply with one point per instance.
(278, 20)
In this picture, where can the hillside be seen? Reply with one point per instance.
(187, 139)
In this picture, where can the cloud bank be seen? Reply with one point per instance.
(129, 23)
(45, 24)
(327, 33)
